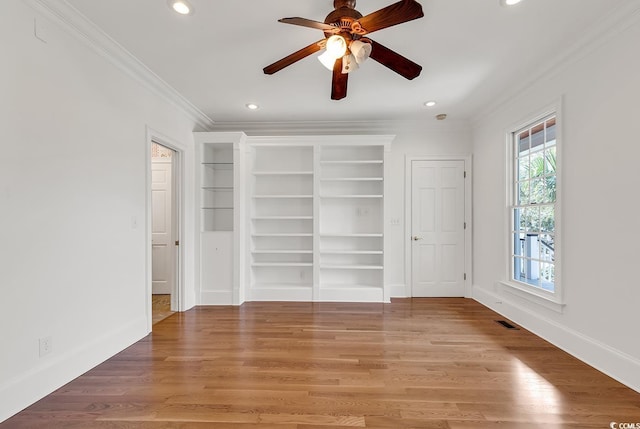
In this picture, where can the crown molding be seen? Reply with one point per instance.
(617, 21)
(82, 28)
(336, 127)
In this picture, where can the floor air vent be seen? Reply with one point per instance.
(506, 324)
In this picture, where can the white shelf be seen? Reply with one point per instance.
(282, 173)
(345, 162)
(281, 252)
(282, 218)
(219, 166)
(350, 196)
(282, 196)
(282, 234)
(350, 267)
(346, 234)
(282, 285)
(352, 179)
(350, 286)
(352, 252)
(282, 264)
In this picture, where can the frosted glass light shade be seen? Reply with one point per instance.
(327, 60)
(360, 50)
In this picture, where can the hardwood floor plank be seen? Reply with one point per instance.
(420, 363)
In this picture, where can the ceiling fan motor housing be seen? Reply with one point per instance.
(343, 16)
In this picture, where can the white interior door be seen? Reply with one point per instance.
(437, 228)
(162, 246)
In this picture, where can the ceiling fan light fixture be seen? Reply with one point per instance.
(327, 60)
(336, 46)
(183, 7)
(349, 63)
(360, 50)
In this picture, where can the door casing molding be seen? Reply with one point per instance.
(178, 294)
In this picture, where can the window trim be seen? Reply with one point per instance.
(553, 300)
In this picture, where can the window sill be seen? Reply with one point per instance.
(539, 298)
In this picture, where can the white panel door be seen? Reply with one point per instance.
(162, 247)
(437, 228)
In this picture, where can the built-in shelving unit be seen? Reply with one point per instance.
(282, 193)
(351, 222)
(316, 218)
(220, 216)
(216, 187)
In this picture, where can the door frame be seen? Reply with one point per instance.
(178, 219)
(468, 282)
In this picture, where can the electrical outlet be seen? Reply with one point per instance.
(45, 346)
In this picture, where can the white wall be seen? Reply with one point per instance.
(599, 238)
(428, 138)
(73, 134)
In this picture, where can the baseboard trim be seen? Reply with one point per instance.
(25, 389)
(216, 297)
(606, 359)
(397, 291)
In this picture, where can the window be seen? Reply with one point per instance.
(533, 206)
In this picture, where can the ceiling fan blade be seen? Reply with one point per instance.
(290, 59)
(339, 81)
(304, 22)
(396, 62)
(397, 13)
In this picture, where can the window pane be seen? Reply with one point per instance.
(523, 193)
(523, 143)
(547, 219)
(531, 218)
(518, 267)
(551, 132)
(547, 277)
(547, 249)
(538, 191)
(550, 161)
(523, 168)
(518, 244)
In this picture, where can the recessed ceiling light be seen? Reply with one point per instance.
(183, 7)
(509, 2)
(429, 103)
(252, 106)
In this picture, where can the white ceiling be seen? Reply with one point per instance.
(471, 51)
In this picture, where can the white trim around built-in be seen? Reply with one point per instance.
(468, 282)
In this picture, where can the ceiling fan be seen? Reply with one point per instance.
(345, 44)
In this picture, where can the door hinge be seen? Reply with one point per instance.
(465, 174)
(177, 242)
(465, 225)
(465, 276)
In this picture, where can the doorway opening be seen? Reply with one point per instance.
(164, 232)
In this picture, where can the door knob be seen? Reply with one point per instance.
(416, 238)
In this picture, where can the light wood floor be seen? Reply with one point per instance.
(422, 363)
(160, 308)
